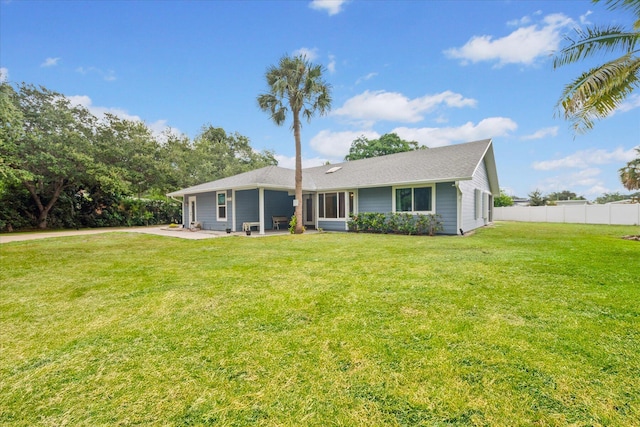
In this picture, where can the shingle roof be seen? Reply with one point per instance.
(449, 163)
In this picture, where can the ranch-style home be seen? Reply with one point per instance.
(457, 182)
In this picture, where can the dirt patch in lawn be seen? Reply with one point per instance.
(632, 237)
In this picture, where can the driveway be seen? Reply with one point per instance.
(159, 231)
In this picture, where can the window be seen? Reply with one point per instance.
(221, 201)
(478, 200)
(414, 199)
(334, 205)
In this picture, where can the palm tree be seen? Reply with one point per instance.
(601, 90)
(296, 85)
(630, 174)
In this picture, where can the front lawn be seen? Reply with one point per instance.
(518, 324)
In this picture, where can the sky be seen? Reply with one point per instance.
(435, 72)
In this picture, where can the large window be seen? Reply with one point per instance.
(334, 205)
(413, 199)
(221, 202)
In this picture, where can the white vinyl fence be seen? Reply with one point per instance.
(613, 214)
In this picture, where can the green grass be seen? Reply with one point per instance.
(519, 324)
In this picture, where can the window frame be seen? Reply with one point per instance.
(345, 204)
(413, 211)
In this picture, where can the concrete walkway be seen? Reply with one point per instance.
(158, 231)
(181, 233)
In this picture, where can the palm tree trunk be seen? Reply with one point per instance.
(296, 133)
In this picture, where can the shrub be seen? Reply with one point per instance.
(398, 223)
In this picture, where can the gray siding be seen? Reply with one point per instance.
(447, 206)
(247, 209)
(480, 181)
(332, 225)
(276, 203)
(375, 200)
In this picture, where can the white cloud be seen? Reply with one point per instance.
(393, 106)
(109, 75)
(583, 18)
(631, 103)
(542, 133)
(310, 54)
(157, 127)
(290, 162)
(436, 137)
(584, 159)
(523, 46)
(365, 78)
(332, 7)
(336, 145)
(518, 22)
(589, 179)
(332, 64)
(4, 74)
(50, 62)
(100, 112)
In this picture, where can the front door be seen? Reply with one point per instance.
(308, 213)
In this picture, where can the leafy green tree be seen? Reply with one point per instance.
(503, 200)
(596, 93)
(11, 131)
(295, 86)
(53, 152)
(536, 198)
(630, 174)
(563, 195)
(129, 155)
(610, 197)
(389, 143)
(179, 161)
(219, 154)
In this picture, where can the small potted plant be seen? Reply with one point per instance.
(228, 229)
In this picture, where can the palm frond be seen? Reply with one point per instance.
(599, 92)
(594, 41)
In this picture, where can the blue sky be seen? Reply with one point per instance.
(438, 72)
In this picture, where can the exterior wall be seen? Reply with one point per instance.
(276, 203)
(480, 181)
(247, 208)
(447, 206)
(332, 225)
(379, 200)
(206, 211)
(375, 200)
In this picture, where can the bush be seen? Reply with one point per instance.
(396, 223)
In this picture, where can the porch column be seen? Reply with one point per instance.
(233, 210)
(261, 206)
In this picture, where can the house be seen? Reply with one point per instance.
(457, 182)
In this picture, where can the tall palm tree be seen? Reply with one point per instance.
(598, 92)
(296, 85)
(630, 174)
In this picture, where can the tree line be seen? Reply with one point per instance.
(61, 166)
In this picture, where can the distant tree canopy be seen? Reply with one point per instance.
(389, 143)
(57, 158)
(536, 198)
(630, 174)
(503, 200)
(563, 195)
(615, 197)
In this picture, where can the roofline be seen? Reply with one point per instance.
(493, 177)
